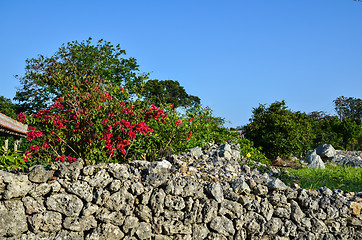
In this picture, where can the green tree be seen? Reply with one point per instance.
(348, 107)
(8, 108)
(47, 78)
(351, 132)
(279, 131)
(169, 91)
(328, 130)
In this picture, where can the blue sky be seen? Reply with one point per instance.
(232, 54)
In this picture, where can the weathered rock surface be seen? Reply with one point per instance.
(326, 151)
(199, 194)
(315, 161)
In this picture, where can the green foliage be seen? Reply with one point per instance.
(348, 107)
(86, 101)
(248, 150)
(279, 131)
(12, 160)
(47, 78)
(8, 108)
(345, 135)
(346, 178)
(168, 92)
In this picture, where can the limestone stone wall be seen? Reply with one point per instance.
(200, 194)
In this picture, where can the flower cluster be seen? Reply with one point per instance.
(32, 134)
(155, 113)
(94, 125)
(62, 158)
(21, 117)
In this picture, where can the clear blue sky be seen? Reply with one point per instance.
(232, 54)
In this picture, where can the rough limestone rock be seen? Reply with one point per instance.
(16, 186)
(326, 151)
(12, 218)
(38, 174)
(315, 161)
(199, 194)
(67, 204)
(351, 161)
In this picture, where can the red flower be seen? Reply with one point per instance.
(60, 158)
(21, 117)
(191, 119)
(132, 135)
(178, 122)
(71, 159)
(190, 133)
(34, 148)
(45, 145)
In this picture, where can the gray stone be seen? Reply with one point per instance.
(89, 209)
(175, 203)
(115, 217)
(225, 154)
(273, 226)
(326, 151)
(130, 223)
(281, 212)
(38, 174)
(16, 185)
(157, 179)
(33, 205)
(223, 226)
(240, 186)
(196, 152)
(276, 184)
(120, 201)
(210, 210)
(225, 147)
(199, 231)
(176, 228)
(47, 222)
(104, 232)
(101, 196)
(144, 213)
(296, 212)
(82, 224)
(100, 180)
(41, 190)
(137, 188)
(157, 202)
(215, 189)
(260, 189)
(144, 231)
(232, 209)
(119, 171)
(266, 209)
(325, 191)
(315, 161)
(68, 204)
(12, 218)
(81, 189)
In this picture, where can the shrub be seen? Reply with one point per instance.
(279, 131)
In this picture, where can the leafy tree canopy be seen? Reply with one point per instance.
(348, 107)
(169, 91)
(47, 78)
(8, 108)
(279, 131)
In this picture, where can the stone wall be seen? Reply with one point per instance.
(201, 194)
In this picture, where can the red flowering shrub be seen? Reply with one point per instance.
(90, 123)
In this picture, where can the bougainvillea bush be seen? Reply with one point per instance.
(89, 122)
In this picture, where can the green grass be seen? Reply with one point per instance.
(348, 179)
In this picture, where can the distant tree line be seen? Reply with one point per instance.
(280, 131)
